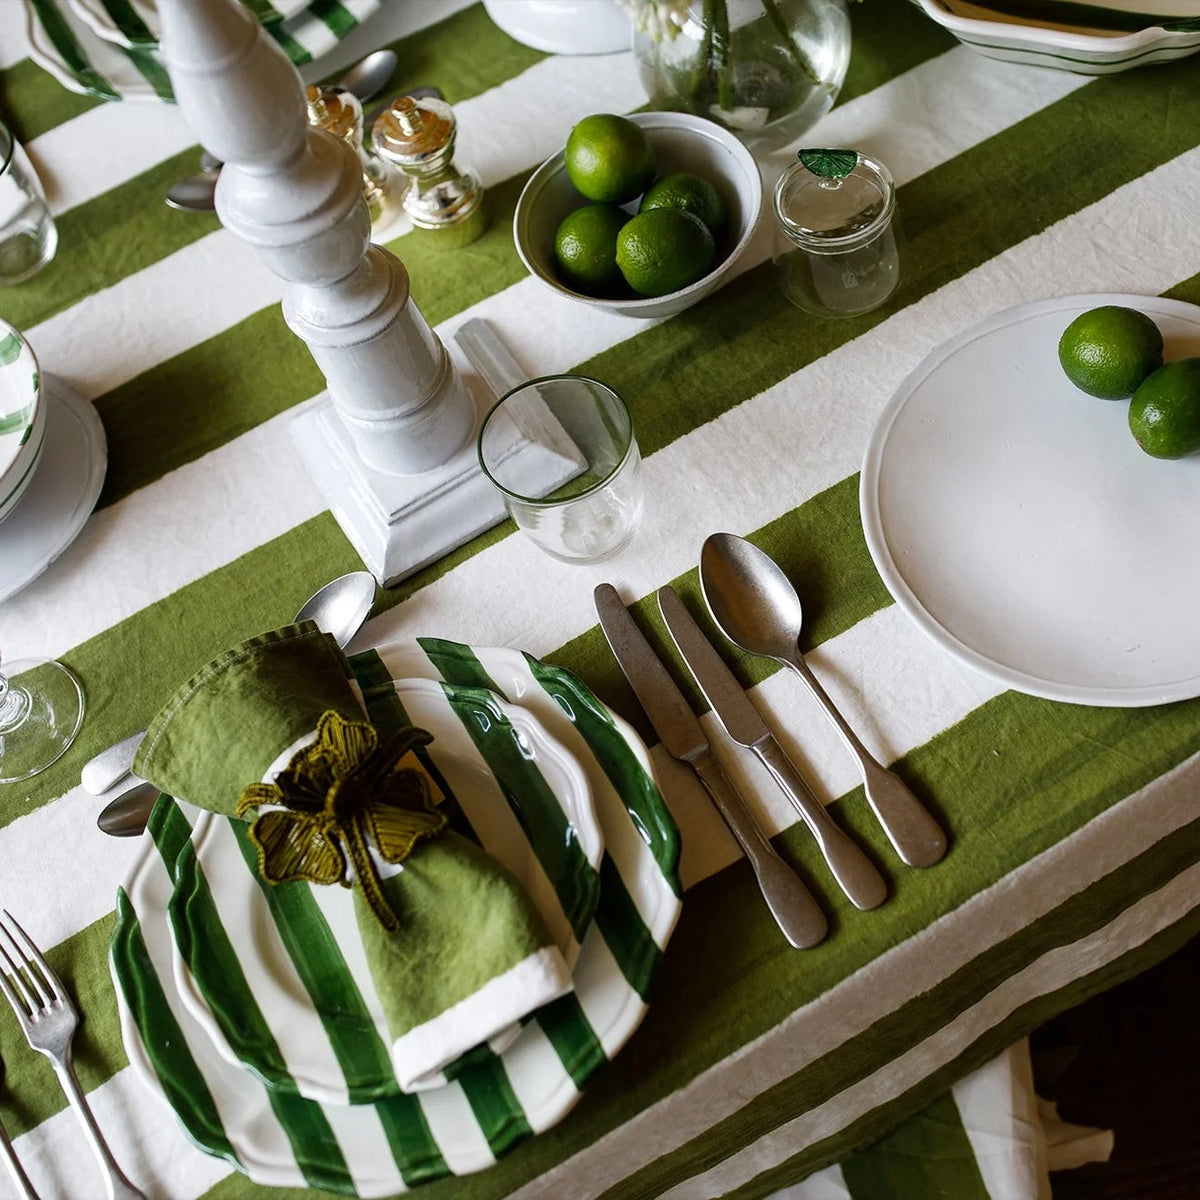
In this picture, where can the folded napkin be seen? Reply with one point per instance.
(274, 732)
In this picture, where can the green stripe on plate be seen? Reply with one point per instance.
(70, 51)
(616, 915)
(355, 1041)
(125, 17)
(532, 801)
(335, 15)
(205, 947)
(570, 1033)
(292, 48)
(494, 1103)
(152, 71)
(181, 1079)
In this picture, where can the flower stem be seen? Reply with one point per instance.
(776, 19)
(720, 46)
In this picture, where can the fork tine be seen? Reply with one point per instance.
(19, 1006)
(47, 973)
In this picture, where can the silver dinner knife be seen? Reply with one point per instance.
(857, 876)
(791, 904)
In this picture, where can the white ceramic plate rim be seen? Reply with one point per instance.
(98, 19)
(994, 32)
(236, 885)
(15, 373)
(893, 574)
(70, 509)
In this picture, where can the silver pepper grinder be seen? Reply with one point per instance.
(417, 138)
(339, 112)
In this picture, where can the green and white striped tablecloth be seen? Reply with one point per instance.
(1076, 831)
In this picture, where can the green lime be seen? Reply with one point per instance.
(663, 250)
(692, 194)
(1164, 414)
(1108, 351)
(609, 158)
(585, 247)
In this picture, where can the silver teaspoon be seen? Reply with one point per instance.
(366, 79)
(757, 608)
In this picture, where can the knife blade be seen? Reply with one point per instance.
(856, 875)
(795, 910)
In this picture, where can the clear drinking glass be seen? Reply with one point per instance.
(838, 234)
(28, 235)
(41, 709)
(562, 452)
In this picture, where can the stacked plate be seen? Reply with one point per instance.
(251, 1011)
(109, 48)
(1088, 37)
(22, 417)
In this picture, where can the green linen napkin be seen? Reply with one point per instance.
(274, 731)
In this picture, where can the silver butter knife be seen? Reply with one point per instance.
(856, 875)
(791, 904)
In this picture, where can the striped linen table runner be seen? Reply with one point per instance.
(1076, 856)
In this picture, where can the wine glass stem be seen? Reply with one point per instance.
(14, 706)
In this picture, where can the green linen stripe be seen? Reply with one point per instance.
(218, 974)
(355, 1041)
(33, 101)
(182, 1080)
(70, 51)
(532, 802)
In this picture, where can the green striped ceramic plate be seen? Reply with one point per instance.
(282, 1139)
(135, 22)
(71, 51)
(299, 965)
(22, 417)
(1070, 37)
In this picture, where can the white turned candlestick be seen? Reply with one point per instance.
(295, 194)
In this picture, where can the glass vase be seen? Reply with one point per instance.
(765, 69)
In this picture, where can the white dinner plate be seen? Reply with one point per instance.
(1016, 520)
(500, 766)
(135, 22)
(62, 493)
(284, 1140)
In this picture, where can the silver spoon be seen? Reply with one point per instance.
(339, 609)
(757, 608)
(366, 79)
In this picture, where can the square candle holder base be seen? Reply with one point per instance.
(401, 523)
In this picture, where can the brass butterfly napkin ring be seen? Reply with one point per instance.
(337, 796)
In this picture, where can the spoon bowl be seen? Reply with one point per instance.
(127, 814)
(756, 607)
(341, 606)
(369, 76)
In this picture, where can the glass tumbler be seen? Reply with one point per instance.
(28, 236)
(838, 234)
(562, 452)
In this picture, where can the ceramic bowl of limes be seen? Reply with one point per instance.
(22, 417)
(682, 148)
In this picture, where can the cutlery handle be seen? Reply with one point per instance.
(110, 766)
(15, 1170)
(917, 838)
(856, 875)
(792, 905)
(119, 1188)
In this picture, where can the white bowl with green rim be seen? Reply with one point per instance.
(681, 142)
(22, 417)
(1099, 37)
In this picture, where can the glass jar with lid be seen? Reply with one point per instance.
(838, 237)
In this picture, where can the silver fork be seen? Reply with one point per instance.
(48, 1018)
(24, 1187)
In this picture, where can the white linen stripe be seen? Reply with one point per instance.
(544, 332)
(1012, 904)
(145, 1138)
(1053, 970)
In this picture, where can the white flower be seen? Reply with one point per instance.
(657, 19)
